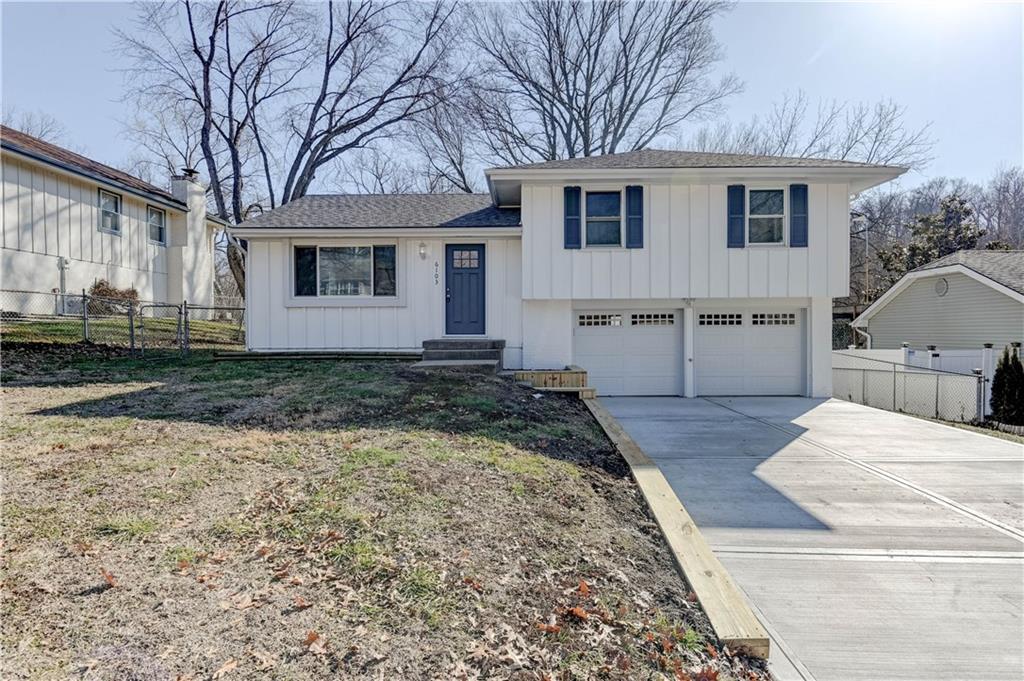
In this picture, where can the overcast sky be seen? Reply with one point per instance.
(956, 65)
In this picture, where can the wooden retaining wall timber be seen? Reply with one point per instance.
(731, 617)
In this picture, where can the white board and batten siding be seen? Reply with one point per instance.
(49, 214)
(278, 321)
(685, 253)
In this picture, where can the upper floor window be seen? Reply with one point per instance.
(604, 218)
(156, 219)
(767, 219)
(110, 212)
(345, 271)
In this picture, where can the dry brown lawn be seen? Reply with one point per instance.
(324, 519)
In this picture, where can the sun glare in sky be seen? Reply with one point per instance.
(946, 15)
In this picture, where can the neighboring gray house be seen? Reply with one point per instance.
(960, 301)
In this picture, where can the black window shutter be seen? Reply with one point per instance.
(737, 215)
(572, 217)
(798, 215)
(305, 270)
(634, 217)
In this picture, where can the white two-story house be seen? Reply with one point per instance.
(659, 272)
(69, 221)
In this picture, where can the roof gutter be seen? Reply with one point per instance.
(356, 233)
(858, 179)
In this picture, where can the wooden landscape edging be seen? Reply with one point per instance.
(731, 617)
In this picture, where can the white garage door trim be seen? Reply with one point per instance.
(630, 352)
(750, 351)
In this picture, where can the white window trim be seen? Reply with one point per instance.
(164, 213)
(119, 213)
(292, 300)
(622, 218)
(785, 216)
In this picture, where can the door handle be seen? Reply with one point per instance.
(447, 295)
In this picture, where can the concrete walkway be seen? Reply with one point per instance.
(872, 545)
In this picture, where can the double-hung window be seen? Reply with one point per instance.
(338, 271)
(766, 223)
(110, 212)
(604, 218)
(156, 220)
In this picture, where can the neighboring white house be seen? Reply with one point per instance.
(960, 301)
(659, 272)
(69, 221)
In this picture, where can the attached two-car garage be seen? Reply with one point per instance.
(755, 351)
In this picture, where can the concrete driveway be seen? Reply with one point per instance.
(872, 545)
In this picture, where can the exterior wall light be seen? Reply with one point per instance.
(423, 251)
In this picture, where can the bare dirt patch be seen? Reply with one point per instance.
(325, 519)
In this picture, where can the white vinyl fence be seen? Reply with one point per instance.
(907, 388)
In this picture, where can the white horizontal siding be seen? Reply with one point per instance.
(685, 253)
(968, 316)
(47, 214)
(278, 323)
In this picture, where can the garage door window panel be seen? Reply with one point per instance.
(773, 319)
(720, 319)
(652, 319)
(766, 223)
(600, 320)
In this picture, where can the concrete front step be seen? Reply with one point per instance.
(464, 344)
(462, 353)
(487, 366)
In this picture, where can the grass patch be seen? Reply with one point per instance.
(367, 457)
(126, 527)
(176, 555)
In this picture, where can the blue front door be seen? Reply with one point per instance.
(464, 289)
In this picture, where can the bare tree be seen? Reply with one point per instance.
(446, 139)
(35, 123)
(376, 171)
(166, 143)
(272, 92)
(380, 65)
(854, 132)
(1000, 207)
(567, 79)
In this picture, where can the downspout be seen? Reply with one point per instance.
(863, 333)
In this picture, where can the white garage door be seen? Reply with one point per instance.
(630, 352)
(749, 352)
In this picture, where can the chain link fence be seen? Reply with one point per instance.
(141, 326)
(933, 393)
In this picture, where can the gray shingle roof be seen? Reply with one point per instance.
(661, 158)
(378, 211)
(1003, 267)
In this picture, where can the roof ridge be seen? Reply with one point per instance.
(648, 157)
